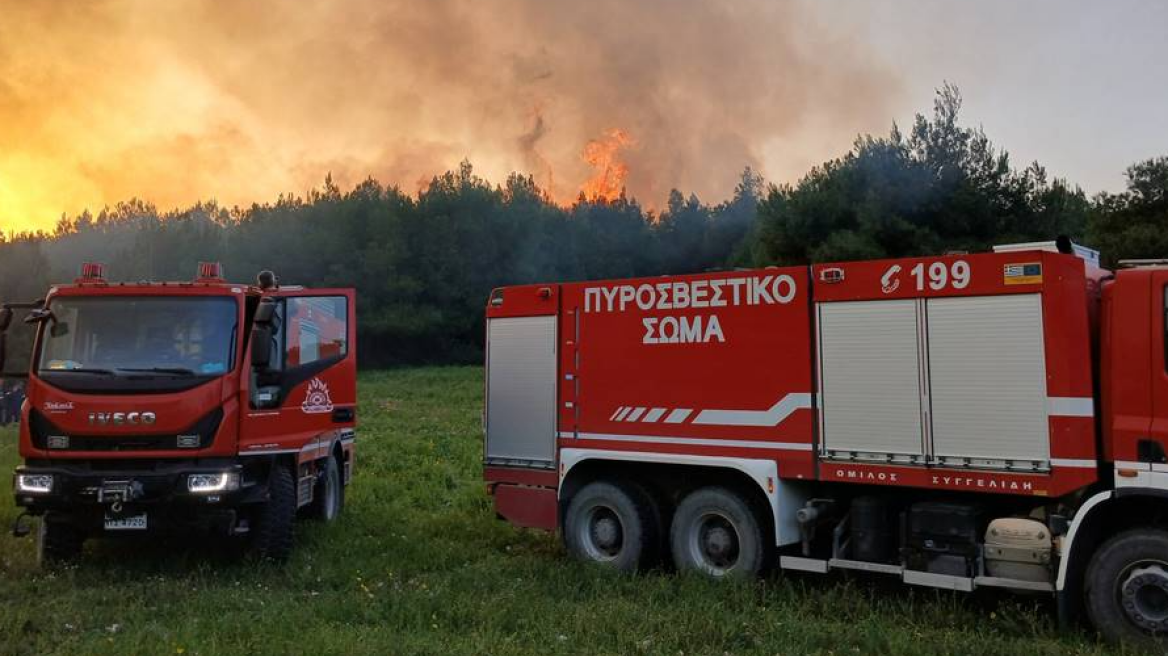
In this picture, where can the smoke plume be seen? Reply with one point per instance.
(241, 101)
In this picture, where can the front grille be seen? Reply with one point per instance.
(49, 437)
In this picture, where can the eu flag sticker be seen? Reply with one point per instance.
(1026, 273)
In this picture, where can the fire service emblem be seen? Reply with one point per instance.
(317, 401)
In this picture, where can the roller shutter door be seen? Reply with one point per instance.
(870, 378)
(521, 390)
(988, 379)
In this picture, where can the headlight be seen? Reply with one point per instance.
(211, 483)
(34, 483)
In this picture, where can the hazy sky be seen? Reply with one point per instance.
(1080, 86)
(176, 101)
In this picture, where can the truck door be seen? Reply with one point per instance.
(308, 390)
(1154, 448)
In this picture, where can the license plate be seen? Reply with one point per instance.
(127, 523)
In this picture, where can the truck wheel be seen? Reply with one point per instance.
(1127, 587)
(275, 519)
(715, 531)
(329, 497)
(614, 524)
(58, 542)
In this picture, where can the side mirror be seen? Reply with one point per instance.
(261, 346)
(5, 318)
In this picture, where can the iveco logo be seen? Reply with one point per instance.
(121, 418)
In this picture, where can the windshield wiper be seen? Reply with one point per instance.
(177, 371)
(79, 370)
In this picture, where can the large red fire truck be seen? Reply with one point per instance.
(182, 405)
(963, 421)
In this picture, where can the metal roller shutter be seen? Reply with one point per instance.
(521, 390)
(988, 380)
(870, 378)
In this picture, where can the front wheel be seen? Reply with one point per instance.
(1127, 587)
(58, 541)
(613, 524)
(273, 526)
(329, 496)
(715, 531)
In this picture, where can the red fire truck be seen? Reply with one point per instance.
(185, 405)
(964, 421)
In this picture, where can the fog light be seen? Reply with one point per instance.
(211, 483)
(34, 483)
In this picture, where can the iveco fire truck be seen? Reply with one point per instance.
(185, 405)
(992, 420)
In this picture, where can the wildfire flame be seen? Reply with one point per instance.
(609, 170)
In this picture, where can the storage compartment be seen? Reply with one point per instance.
(942, 538)
(987, 381)
(1018, 548)
(521, 391)
(870, 379)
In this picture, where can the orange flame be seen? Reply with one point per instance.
(609, 171)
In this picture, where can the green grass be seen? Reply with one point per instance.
(418, 564)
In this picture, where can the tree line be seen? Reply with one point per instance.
(424, 264)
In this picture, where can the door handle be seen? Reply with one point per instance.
(344, 415)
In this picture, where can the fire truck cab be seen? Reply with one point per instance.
(185, 405)
(962, 421)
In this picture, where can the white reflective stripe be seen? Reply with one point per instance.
(621, 415)
(1127, 464)
(678, 415)
(1070, 406)
(662, 439)
(654, 414)
(615, 413)
(1075, 464)
(636, 414)
(770, 417)
(268, 452)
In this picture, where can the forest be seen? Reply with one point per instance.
(423, 264)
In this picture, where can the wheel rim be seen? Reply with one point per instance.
(602, 534)
(715, 543)
(1143, 595)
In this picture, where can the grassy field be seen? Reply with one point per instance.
(419, 565)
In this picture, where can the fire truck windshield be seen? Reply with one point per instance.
(153, 337)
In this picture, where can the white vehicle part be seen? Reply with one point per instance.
(1068, 542)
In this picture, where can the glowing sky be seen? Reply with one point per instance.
(182, 100)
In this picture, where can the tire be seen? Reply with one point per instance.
(613, 524)
(274, 520)
(58, 542)
(1126, 590)
(328, 500)
(715, 531)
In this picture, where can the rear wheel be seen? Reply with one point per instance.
(58, 541)
(272, 530)
(1127, 587)
(715, 531)
(613, 524)
(329, 497)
